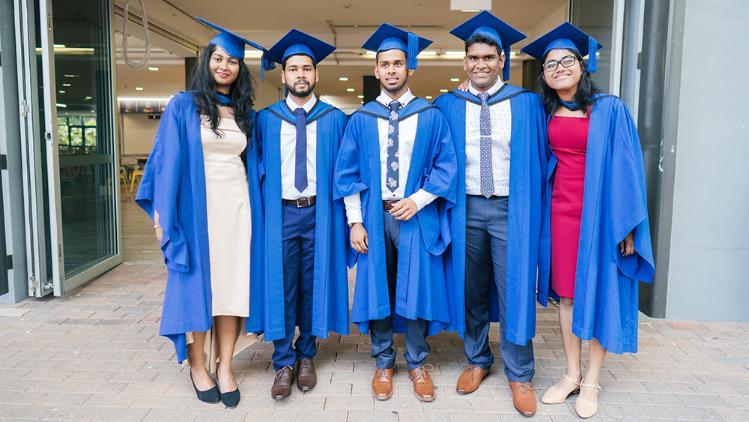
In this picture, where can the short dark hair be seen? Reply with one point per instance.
(283, 64)
(483, 39)
(586, 89)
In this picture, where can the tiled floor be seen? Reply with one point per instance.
(95, 355)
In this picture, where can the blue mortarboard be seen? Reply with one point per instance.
(234, 44)
(297, 42)
(569, 37)
(493, 28)
(388, 37)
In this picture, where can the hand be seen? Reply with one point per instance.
(404, 209)
(359, 239)
(157, 227)
(463, 85)
(627, 246)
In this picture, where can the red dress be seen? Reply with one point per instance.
(568, 137)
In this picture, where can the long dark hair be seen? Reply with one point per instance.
(203, 88)
(586, 89)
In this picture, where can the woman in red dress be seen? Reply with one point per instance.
(588, 262)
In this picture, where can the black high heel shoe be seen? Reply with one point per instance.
(212, 395)
(230, 398)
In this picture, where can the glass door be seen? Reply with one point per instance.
(85, 135)
(71, 192)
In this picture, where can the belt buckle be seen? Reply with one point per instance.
(303, 202)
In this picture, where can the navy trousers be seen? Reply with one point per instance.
(486, 253)
(298, 233)
(381, 330)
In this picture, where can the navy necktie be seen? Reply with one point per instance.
(485, 147)
(392, 148)
(300, 170)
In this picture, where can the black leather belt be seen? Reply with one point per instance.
(301, 202)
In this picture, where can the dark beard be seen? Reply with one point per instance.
(396, 88)
(301, 94)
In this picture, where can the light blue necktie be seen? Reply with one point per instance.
(392, 148)
(485, 147)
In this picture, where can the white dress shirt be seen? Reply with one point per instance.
(288, 154)
(406, 138)
(501, 117)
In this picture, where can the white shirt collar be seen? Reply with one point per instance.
(404, 99)
(307, 106)
(493, 90)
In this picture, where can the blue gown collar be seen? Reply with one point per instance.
(506, 92)
(283, 112)
(380, 111)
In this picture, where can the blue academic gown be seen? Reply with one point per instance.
(173, 185)
(528, 168)
(614, 204)
(421, 289)
(330, 285)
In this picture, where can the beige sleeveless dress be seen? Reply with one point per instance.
(229, 228)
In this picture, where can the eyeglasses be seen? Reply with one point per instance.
(566, 62)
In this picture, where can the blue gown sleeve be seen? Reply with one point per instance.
(629, 198)
(440, 180)
(159, 189)
(348, 177)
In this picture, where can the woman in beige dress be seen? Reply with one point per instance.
(204, 151)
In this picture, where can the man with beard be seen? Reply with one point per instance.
(305, 235)
(396, 171)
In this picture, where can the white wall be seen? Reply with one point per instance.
(708, 274)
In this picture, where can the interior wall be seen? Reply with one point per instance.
(138, 132)
(709, 255)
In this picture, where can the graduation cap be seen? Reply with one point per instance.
(569, 37)
(234, 44)
(493, 28)
(388, 37)
(297, 42)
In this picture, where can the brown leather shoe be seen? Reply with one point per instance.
(306, 378)
(524, 398)
(423, 386)
(282, 385)
(470, 379)
(382, 384)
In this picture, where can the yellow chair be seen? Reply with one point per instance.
(123, 175)
(137, 174)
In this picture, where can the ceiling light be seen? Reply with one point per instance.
(66, 85)
(350, 89)
(139, 88)
(443, 90)
(61, 91)
(58, 45)
(360, 96)
(87, 98)
(252, 54)
(343, 79)
(153, 68)
(68, 75)
(61, 105)
(428, 97)
(454, 79)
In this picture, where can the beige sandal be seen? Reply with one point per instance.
(587, 408)
(559, 392)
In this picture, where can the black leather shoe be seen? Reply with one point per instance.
(229, 398)
(211, 395)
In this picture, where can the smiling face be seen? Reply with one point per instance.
(299, 75)
(562, 78)
(391, 70)
(223, 67)
(482, 63)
